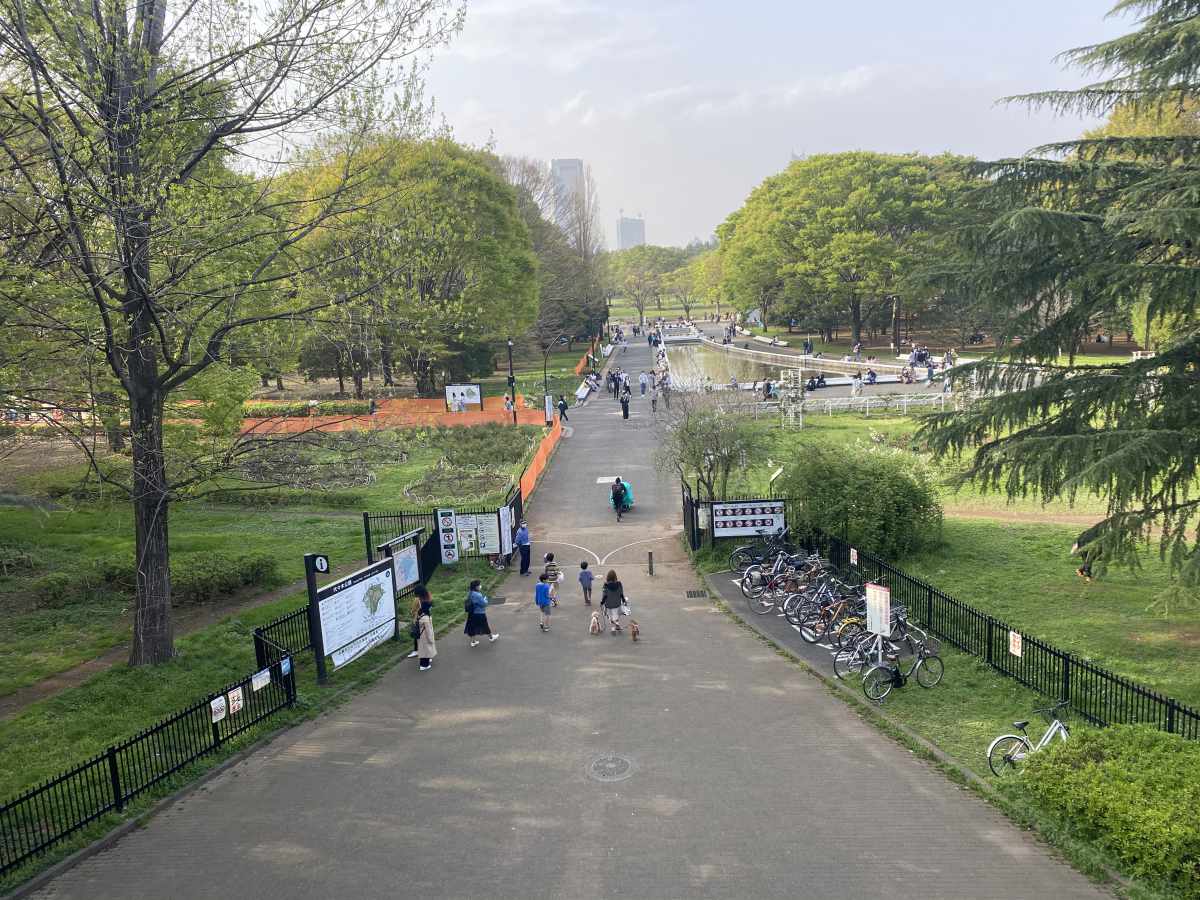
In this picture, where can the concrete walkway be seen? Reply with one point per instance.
(492, 775)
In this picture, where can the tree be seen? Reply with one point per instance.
(637, 273)
(1075, 232)
(140, 247)
(707, 437)
(837, 234)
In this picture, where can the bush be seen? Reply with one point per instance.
(324, 408)
(885, 500)
(1133, 790)
(54, 589)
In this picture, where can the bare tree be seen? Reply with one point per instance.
(139, 242)
(707, 436)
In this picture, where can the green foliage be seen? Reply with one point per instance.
(1074, 235)
(639, 272)
(482, 445)
(882, 501)
(1132, 789)
(323, 408)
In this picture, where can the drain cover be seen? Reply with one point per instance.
(610, 767)
(693, 595)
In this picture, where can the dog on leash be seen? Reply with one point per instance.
(594, 627)
(634, 630)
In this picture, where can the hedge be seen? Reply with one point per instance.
(195, 578)
(1133, 790)
(324, 408)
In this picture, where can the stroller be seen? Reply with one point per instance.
(627, 503)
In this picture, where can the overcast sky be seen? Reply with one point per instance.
(681, 108)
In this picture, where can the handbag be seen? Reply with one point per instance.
(414, 630)
(625, 608)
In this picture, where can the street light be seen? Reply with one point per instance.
(512, 382)
(560, 338)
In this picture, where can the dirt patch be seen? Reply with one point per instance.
(1032, 517)
(39, 455)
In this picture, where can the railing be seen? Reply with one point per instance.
(51, 812)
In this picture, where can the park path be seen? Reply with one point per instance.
(696, 763)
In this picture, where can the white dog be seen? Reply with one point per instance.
(594, 627)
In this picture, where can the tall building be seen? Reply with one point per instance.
(568, 174)
(630, 232)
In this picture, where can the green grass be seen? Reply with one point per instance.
(50, 736)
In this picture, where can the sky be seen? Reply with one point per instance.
(681, 108)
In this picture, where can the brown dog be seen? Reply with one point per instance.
(594, 627)
(634, 630)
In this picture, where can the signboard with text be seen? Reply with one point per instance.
(358, 612)
(487, 531)
(1014, 643)
(447, 525)
(406, 567)
(506, 529)
(745, 518)
(879, 609)
(463, 395)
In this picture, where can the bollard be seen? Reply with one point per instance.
(650, 556)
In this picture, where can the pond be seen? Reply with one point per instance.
(691, 364)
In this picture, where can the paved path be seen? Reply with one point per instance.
(745, 777)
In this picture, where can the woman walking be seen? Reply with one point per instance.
(426, 640)
(477, 620)
(414, 616)
(613, 598)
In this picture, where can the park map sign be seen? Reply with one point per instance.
(358, 612)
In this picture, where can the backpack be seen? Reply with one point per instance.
(468, 605)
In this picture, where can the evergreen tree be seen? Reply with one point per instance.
(1079, 233)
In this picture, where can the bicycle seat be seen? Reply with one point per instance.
(1020, 726)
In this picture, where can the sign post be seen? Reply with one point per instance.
(879, 616)
(314, 612)
(448, 535)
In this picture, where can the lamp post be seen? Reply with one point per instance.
(512, 382)
(560, 338)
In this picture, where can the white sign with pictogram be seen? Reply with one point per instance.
(879, 609)
(1014, 643)
(747, 518)
(236, 701)
(853, 556)
(217, 708)
(447, 524)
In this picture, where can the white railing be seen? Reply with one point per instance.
(808, 363)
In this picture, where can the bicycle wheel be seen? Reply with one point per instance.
(877, 683)
(845, 634)
(740, 560)
(753, 583)
(813, 628)
(1007, 754)
(929, 671)
(761, 605)
(849, 662)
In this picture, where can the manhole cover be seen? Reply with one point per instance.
(610, 767)
(693, 595)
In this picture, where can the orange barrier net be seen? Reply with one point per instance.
(537, 465)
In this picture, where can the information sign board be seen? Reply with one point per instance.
(358, 612)
(466, 533)
(260, 680)
(466, 394)
(1014, 643)
(448, 535)
(406, 568)
(853, 556)
(236, 701)
(506, 529)
(747, 518)
(487, 529)
(217, 708)
(879, 609)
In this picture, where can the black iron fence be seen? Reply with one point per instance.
(52, 811)
(1098, 695)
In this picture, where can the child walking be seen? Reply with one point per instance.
(585, 581)
(541, 596)
(553, 574)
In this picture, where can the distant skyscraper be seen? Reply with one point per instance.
(568, 174)
(630, 232)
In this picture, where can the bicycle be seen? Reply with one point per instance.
(1007, 753)
(499, 561)
(768, 547)
(927, 668)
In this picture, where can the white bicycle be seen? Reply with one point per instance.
(1008, 753)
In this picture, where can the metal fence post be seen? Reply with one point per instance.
(367, 537)
(1171, 707)
(990, 628)
(1066, 677)
(114, 777)
(260, 651)
(929, 607)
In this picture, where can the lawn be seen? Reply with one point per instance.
(50, 735)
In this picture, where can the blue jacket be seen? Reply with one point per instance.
(541, 594)
(522, 536)
(480, 602)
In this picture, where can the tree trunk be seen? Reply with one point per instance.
(896, 321)
(153, 638)
(266, 379)
(279, 383)
(385, 361)
(341, 377)
(358, 384)
(855, 321)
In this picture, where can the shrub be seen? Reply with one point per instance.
(324, 408)
(885, 500)
(1133, 790)
(54, 589)
(484, 445)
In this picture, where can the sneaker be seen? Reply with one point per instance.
(541, 626)
(411, 655)
(494, 637)
(474, 643)
(424, 668)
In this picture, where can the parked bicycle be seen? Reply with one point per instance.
(927, 668)
(1007, 753)
(765, 550)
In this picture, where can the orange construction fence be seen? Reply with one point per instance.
(583, 363)
(400, 414)
(537, 465)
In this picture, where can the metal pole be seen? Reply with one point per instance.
(546, 383)
(512, 382)
(314, 616)
(651, 561)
